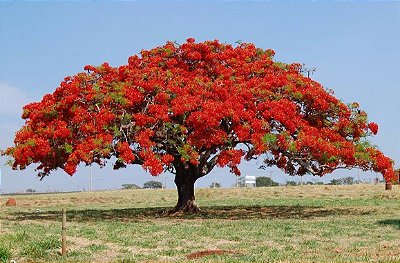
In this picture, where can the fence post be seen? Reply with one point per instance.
(64, 232)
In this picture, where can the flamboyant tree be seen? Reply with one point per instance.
(187, 108)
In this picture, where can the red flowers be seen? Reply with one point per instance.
(373, 127)
(230, 158)
(196, 105)
(125, 152)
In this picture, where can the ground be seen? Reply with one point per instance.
(358, 223)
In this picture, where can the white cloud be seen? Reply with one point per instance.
(12, 100)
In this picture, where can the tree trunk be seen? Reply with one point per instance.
(184, 180)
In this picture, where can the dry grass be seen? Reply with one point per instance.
(356, 223)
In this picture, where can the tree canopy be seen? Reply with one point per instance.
(187, 108)
(264, 181)
(152, 184)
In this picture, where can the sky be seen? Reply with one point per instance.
(355, 47)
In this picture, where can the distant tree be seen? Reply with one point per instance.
(291, 183)
(188, 108)
(30, 190)
(319, 183)
(215, 185)
(130, 186)
(309, 183)
(264, 181)
(242, 182)
(347, 180)
(152, 184)
(335, 182)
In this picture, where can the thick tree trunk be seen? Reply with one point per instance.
(184, 180)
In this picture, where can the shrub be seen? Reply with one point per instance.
(5, 253)
(265, 182)
(152, 184)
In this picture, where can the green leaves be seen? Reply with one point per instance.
(184, 151)
(362, 152)
(116, 131)
(270, 139)
(30, 142)
(118, 97)
(68, 148)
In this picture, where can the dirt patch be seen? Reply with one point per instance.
(11, 202)
(206, 253)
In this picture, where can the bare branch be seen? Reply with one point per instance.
(171, 169)
(210, 165)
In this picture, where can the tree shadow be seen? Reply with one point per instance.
(390, 222)
(218, 212)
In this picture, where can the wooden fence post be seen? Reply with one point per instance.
(64, 232)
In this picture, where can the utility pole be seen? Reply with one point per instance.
(164, 179)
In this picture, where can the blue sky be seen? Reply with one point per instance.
(355, 47)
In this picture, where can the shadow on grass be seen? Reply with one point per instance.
(391, 222)
(218, 212)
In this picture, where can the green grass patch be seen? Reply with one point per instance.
(5, 253)
(359, 223)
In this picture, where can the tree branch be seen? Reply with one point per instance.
(209, 165)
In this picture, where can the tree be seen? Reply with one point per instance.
(130, 186)
(335, 182)
(188, 108)
(263, 181)
(152, 184)
(291, 183)
(347, 180)
(241, 182)
(215, 185)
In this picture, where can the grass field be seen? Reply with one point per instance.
(359, 223)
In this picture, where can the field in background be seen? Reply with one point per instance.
(357, 223)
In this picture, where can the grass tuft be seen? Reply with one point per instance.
(5, 253)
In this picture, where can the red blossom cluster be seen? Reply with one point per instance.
(373, 127)
(197, 104)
